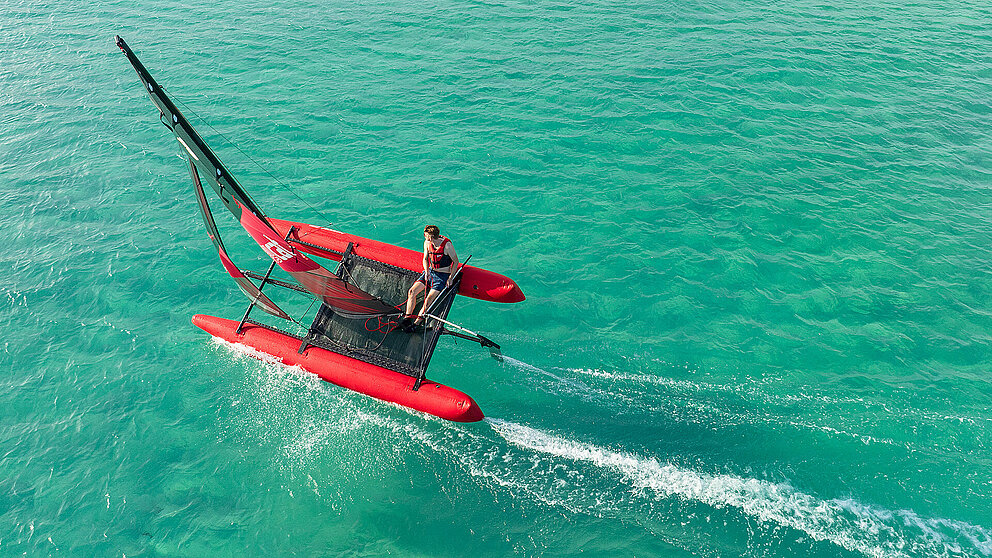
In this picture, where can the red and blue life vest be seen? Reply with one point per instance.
(436, 256)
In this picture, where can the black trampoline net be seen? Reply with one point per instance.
(373, 339)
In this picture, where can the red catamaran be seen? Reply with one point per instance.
(352, 341)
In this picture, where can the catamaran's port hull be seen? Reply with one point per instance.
(328, 243)
(432, 398)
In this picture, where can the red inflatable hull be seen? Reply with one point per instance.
(476, 283)
(432, 398)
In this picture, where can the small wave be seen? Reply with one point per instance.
(301, 434)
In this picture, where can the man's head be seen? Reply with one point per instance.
(432, 231)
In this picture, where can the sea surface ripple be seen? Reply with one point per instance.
(755, 240)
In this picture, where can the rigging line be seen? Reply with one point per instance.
(308, 308)
(259, 165)
(257, 297)
(389, 329)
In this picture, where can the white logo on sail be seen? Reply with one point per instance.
(276, 251)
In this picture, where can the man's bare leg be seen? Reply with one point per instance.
(427, 304)
(411, 297)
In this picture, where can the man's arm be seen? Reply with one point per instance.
(450, 249)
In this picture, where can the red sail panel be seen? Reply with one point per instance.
(342, 297)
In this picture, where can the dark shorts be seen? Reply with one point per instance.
(438, 280)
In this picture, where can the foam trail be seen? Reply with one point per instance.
(851, 525)
(249, 351)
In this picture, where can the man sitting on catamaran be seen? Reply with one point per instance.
(439, 262)
(348, 343)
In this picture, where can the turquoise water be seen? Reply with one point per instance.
(755, 240)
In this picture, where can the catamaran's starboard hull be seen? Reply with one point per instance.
(383, 384)
(328, 243)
